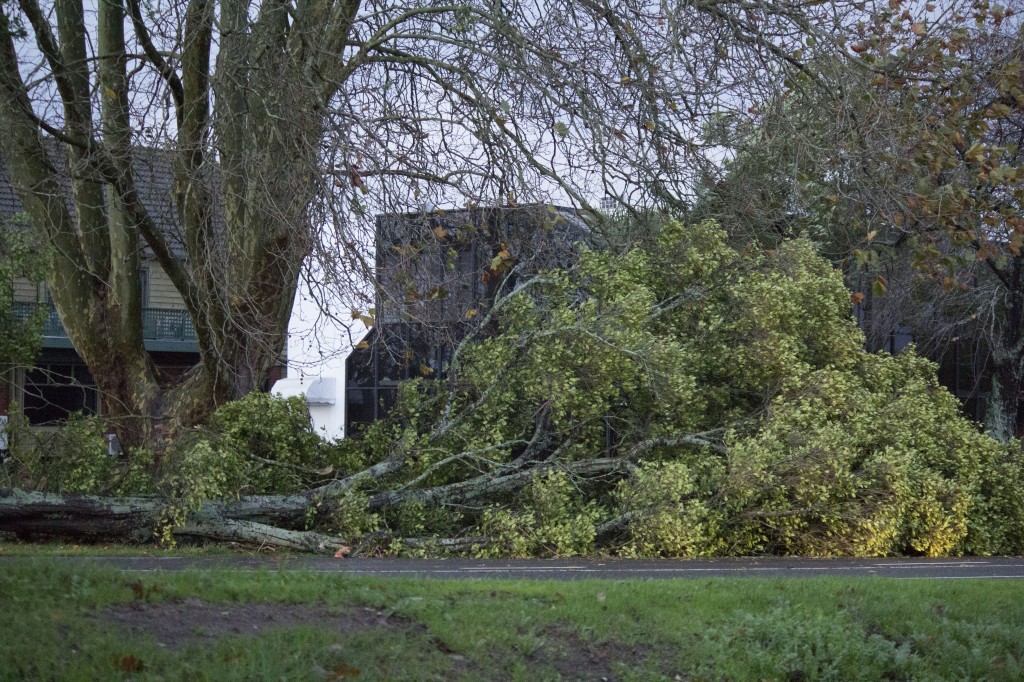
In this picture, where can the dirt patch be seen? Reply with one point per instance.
(179, 623)
(578, 659)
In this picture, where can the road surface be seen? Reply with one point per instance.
(577, 569)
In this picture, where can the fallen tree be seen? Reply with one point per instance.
(135, 519)
(682, 399)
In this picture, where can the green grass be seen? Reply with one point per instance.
(57, 625)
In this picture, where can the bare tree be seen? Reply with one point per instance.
(288, 123)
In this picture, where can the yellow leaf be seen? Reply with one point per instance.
(440, 232)
(918, 29)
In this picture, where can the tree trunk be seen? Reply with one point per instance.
(273, 520)
(244, 217)
(135, 519)
(1003, 419)
(1003, 412)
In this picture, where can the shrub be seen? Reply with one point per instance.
(74, 458)
(553, 518)
(736, 385)
(875, 460)
(271, 440)
(669, 509)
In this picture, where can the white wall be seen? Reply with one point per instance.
(318, 345)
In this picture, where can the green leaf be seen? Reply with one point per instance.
(879, 286)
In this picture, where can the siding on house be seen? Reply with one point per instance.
(25, 291)
(162, 293)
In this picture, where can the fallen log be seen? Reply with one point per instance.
(135, 519)
(86, 517)
(267, 520)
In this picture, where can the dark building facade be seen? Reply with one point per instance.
(437, 275)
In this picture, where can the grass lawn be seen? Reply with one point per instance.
(88, 622)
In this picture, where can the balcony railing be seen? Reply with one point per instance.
(167, 324)
(51, 325)
(158, 324)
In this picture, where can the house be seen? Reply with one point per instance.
(437, 273)
(59, 383)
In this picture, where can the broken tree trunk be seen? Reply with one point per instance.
(135, 519)
(269, 520)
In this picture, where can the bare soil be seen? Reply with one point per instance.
(178, 623)
(578, 659)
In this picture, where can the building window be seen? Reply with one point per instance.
(55, 391)
(393, 353)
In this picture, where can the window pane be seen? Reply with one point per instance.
(358, 407)
(386, 399)
(359, 366)
(53, 404)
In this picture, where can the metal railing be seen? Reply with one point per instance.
(51, 325)
(167, 324)
(158, 324)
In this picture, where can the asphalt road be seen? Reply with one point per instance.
(577, 569)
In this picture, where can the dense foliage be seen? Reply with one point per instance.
(19, 257)
(258, 445)
(691, 399)
(684, 398)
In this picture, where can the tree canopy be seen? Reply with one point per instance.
(906, 168)
(19, 258)
(289, 124)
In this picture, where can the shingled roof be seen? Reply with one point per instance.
(154, 181)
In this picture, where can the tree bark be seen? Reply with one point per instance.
(266, 521)
(1003, 412)
(273, 520)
